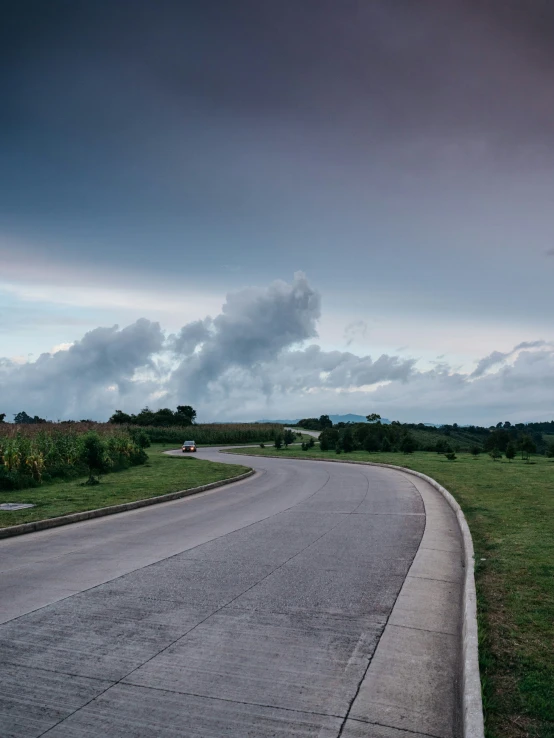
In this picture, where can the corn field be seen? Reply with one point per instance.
(212, 434)
(36, 453)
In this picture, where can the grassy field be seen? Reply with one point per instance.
(510, 510)
(160, 475)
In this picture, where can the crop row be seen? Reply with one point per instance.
(30, 455)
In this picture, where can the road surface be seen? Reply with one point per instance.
(264, 608)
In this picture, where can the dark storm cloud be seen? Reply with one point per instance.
(164, 110)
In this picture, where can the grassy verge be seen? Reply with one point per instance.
(159, 476)
(510, 510)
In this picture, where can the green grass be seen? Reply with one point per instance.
(510, 510)
(160, 475)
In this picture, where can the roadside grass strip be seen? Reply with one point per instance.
(161, 475)
(509, 507)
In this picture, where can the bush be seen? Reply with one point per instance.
(510, 451)
(386, 445)
(262, 445)
(278, 441)
(288, 437)
(311, 443)
(408, 444)
(451, 456)
(495, 454)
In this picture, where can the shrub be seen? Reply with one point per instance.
(510, 451)
(278, 441)
(386, 445)
(475, 451)
(288, 437)
(262, 445)
(451, 456)
(495, 454)
(408, 444)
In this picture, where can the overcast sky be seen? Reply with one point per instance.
(169, 167)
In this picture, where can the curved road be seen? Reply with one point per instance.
(251, 610)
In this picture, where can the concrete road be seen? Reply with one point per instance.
(266, 608)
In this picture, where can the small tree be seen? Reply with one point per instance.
(386, 445)
(527, 447)
(495, 454)
(93, 455)
(408, 444)
(475, 451)
(311, 442)
(451, 456)
(550, 450)
(278, 441)
(2, 416)
(288, 437)
(371, 443)
(347, 441)
(510, 451)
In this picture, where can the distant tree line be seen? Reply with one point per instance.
(165, 418)
(502, 438)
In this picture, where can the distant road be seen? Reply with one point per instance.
(315, 434)
(251, 610)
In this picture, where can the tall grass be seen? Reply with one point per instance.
(37, 453)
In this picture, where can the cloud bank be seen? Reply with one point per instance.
(258, 357)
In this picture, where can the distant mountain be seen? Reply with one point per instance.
(349, 418)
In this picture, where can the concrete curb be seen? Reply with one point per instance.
(18, 530)
(472, 704)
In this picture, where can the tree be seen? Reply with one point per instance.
(2, 416)
(475, 451)
(330, 438)
(495, 454)
(451, 456)
(278, 441)
(324, 442)
(325, 422)
(187, 413)
(288, 437)
(386, 445)
(527, 446)
(311, 442)
(371, 443)
(373, 418)
(550, 450)
(510, 451)
(347, 441)
(408, 444)
(23, 418)
(120, 417)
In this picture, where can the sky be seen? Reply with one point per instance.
(278, 209)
